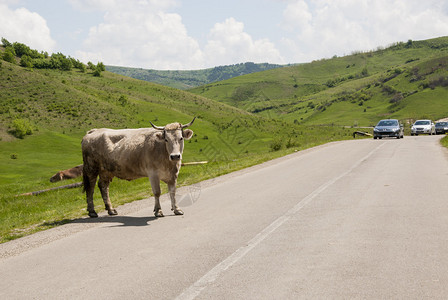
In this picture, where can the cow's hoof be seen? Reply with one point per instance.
(93, 214)
(158, 213)
(178, 212)
(112, 212)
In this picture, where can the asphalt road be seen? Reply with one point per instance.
(357, 219)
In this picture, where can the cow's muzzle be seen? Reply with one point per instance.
(175, 157)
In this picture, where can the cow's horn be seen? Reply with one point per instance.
(189, 124)
(157, 127)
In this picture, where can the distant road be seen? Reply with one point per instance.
(356, 219)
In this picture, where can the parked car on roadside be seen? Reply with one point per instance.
(388, 128)
(441, 127)
(423, 127)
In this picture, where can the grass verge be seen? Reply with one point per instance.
(444, 141)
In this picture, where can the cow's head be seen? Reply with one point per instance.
(174, 134)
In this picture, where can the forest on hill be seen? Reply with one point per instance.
(194, 78)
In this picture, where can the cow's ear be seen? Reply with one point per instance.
(160, 135)
(187, 134)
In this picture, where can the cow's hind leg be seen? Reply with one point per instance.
(174, 207)
(155, 184)
(103, 184)
(89, 187)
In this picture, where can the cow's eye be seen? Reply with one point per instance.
(181, 138)
(166, 140)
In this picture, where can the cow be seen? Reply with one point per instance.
(67, 174)
(129, 154)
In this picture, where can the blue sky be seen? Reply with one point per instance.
(196, 34)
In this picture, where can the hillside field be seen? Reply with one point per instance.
(407, 81)
(44, 113)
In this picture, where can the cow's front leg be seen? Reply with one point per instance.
(103, 184)
(174, 207)
(155, 184)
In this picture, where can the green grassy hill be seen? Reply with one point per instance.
(45, 112)
(192, 78)
(405, 81)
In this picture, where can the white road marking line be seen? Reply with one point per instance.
(196, 288)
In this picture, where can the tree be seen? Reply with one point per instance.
(6, 43)
(9, 55)
(97, 72)
(97, 69)
(364, 72)
(35, 54)
(21, 128)
(26, 61)
(100, 66)
(123, 100)
(66, 64)
(60, 61)
(21, 49)
(42, 63)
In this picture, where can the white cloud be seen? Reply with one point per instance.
(143, 34)
(26, 27)
(322, 28)
(106, 5)
(228, 44)
(140, 34)
(92, 5)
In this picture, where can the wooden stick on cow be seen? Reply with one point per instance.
(129, 154)
(76, 172)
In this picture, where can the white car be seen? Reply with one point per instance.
(423, 126)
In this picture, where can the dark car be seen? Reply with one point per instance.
(441, 127)
(388, 128)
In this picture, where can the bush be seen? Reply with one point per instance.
(97, 73)
(60, 61)
(78, 65)
(364, 72)
(276, 145)
(9, 55)
(100, 66)
(66, 64)
(21, 128)
(35, 54)
(440, 81)
(42, 63)
(6, 43)
(290, 143)
(82, 68)
(123, 100)
(26, 61)
(21, 49)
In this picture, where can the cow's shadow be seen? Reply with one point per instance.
(127, 221)
(119, 221)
